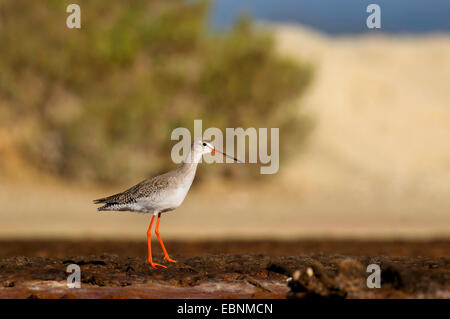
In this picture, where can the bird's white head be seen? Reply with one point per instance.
(203, 147)
(206, 147)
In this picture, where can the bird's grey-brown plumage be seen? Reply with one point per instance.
(146, 189)
(161, 193)
(153, 190)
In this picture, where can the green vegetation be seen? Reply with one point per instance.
(99, 103)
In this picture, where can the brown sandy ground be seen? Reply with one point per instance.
(234, 269)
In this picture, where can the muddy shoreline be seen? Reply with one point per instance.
(234, 269)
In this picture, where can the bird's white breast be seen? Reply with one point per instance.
(168, 200)
(175, 197)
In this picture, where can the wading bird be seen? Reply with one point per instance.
(160, 194)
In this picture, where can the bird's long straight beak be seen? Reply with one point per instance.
(213, 151)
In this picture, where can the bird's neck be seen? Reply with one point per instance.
(190, 162)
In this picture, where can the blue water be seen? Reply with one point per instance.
(339, 16)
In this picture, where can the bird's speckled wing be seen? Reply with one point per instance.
(149, 188)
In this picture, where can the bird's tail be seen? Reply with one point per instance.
(104, 207)
(106, 200)
(99, 201)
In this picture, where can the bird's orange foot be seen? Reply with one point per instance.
(155, 265)
(170, 260)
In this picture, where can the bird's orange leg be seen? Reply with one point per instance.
(149, 241)
(166, 255)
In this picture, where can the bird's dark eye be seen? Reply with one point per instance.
(204, 144)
